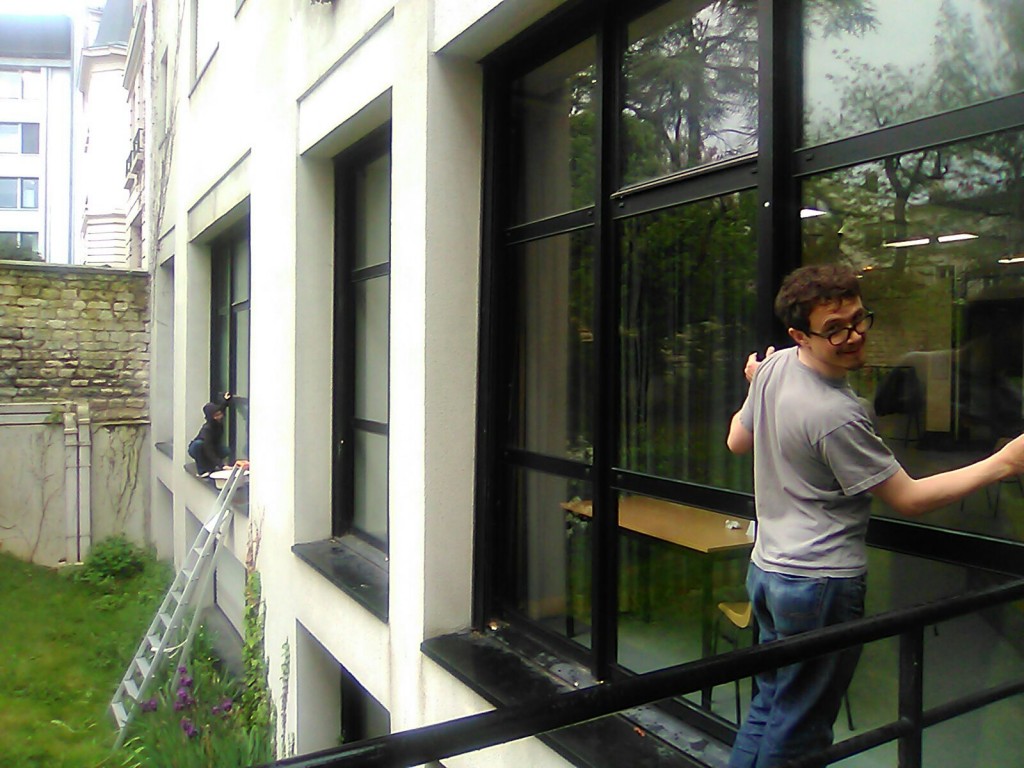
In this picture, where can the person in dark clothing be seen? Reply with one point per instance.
(207, 447)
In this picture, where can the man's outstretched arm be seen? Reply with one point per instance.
(909, 496)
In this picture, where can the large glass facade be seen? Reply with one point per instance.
(654, 179)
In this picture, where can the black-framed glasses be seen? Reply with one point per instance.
(840, 336)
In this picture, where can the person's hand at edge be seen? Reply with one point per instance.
(753, 362)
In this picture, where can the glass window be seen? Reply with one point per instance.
(362, 348)
(686, 320)
(690, 87)
(553, 368)
(10, 84)
(551, 555)
(30, 138)
(229, 333)
(867, 66)
(30, 240)
(30, 193)
(10, 137)
(9, 193)
(939, 238)
(373, 213)
(372, 300)
(32, 84)
(553, 129)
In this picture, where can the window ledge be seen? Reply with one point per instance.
(241, 500)
(166, 448)
(509, 669)
(353, 566)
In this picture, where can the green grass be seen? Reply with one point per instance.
(64, 644)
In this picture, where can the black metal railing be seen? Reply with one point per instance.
(468, 734)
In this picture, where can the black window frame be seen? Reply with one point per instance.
(223, 253)
(775, 170)
(345, 423)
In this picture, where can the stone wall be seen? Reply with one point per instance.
(75, 334)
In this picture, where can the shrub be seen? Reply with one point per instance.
(113, 559)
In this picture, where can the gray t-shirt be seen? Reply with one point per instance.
(816, 454)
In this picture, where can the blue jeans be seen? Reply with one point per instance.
(795, 706)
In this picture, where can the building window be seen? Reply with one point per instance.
(362, 316)
(30, 138)
(9, 192)
(229, 338)
(30, 193)
(19, 245)
(19, 193)
(20, 84)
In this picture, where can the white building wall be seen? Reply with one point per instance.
(288, 87)
(107, 143)
(52, 166)
(55, 147)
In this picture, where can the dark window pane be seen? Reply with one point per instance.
(551, 551)
(240, 272)
(676, 563)
(239, 412)
(371, 353)
(872, 65)
(554, 126)
(939, 238)
(8, 193)
(690, 87)
(373, 213)
(30, 138)
(687, 327)
(370, 485)
(553, 370)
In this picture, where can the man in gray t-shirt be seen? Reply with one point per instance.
(816, 458)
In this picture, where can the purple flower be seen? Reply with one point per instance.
(149, 705)
(184, 700)
(188, 727)
(224, 707)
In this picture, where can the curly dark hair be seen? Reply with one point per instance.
(807, 287)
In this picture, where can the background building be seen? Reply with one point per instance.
(36, 108)
(482, 278)
(107, 142)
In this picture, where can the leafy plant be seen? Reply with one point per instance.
(201, 717)
(115, 558)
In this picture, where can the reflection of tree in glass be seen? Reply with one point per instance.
(976, 65)
(691, 91)
(686, 319)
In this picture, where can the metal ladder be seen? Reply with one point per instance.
(189, 587)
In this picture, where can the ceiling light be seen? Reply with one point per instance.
(907, 243)
(1013, 260)
(956, 237)
(810, 213)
